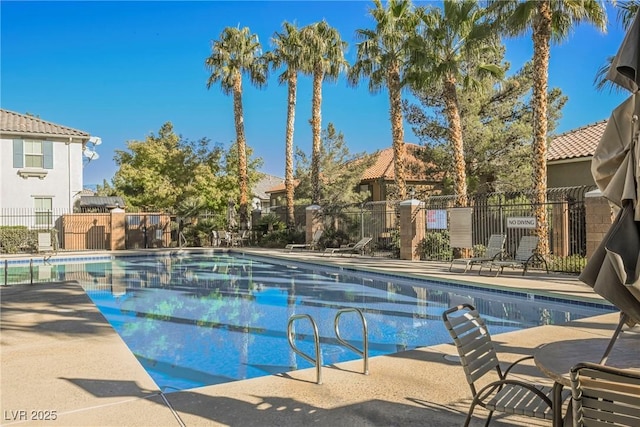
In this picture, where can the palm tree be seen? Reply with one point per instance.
(383, 57)
(235, 53)
(288, 51)
(449, 51)
(324, 53)
(548, 20)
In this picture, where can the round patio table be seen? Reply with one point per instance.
(556, 359)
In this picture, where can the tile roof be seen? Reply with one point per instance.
(383, 167)
(22, 124)
(266, 183)
(577, 143)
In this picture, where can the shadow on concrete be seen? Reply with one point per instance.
(52, 309)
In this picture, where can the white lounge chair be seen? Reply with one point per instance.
(495, 249)
(525, 255)
(352, 248)
(315, 240)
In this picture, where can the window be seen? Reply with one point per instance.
(43, 206)
(32, 154)
(33, 157)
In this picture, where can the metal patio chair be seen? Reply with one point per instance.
(525, 256)
(603, 395)
(495, 249)
(478, 358)
(315, 242)
(351, 248)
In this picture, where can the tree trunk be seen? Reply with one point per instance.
(541, 43)
(242, 149)
(397, 130)
(316, 123)
(457, 144)
(288, 174)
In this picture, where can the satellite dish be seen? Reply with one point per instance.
(90, 154)
(95, 140)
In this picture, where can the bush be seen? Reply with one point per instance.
(15, 238)
(332, 238)
(435, 246)
(280, 238)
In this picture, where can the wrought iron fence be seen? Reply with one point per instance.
(494, 213)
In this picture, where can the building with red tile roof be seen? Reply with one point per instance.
(379, 178)
(569, 156)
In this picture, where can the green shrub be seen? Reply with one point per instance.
(13, 239)
(435, 246)
(280, 238)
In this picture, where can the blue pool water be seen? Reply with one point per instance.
(209, 319)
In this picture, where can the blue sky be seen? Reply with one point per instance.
(119, 70)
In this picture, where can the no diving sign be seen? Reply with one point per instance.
(521, 222)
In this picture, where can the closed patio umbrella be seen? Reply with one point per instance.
(614, 269)
(231, 215)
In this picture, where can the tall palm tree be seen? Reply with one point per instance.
(288, 51)
(454, 40)
(236, 53)
(383, 56)
(549, 21)
(324, 50)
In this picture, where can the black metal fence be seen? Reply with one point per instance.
(492, 213)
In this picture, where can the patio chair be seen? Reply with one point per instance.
(45, 242)
(525, 256)
(315, 241)
(495, 249)
(351, 248)
(603, 395)
(224, 238)
(478, 358)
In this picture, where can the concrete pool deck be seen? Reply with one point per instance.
(60, 359)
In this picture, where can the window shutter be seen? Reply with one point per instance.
(47, 151)
(18, 153)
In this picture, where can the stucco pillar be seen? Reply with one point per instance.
(598, 218)
(412, 228)
(117, 241)
(313, 222)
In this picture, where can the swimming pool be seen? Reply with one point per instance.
(207, 319)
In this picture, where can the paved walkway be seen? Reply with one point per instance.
(61, 360)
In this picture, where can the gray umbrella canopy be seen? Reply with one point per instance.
(625, 65)
(614, 269)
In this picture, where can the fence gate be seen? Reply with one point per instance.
(81, 231)
(147, 230)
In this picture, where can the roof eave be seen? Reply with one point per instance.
(571, 160)
(72, 138)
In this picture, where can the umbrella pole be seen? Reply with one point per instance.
(616, 333)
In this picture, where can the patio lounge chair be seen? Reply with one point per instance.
(315, 240)
(495, 249)
(525, 256)
(351, 248)
(603, 395)
(478, 358)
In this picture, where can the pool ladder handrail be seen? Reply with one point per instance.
(365, 334)
(316, 338)
(336, 322)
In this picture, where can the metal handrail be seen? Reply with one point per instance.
(290, 335)
(365, 340)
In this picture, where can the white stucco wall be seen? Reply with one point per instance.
(62, 183)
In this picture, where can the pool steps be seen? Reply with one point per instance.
(317, 361)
